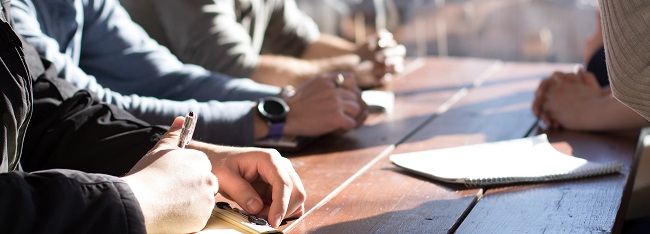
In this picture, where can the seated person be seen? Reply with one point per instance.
(273, 42)
(97, 47)
(71, 163)
(583, 100)
(625, 32)
(576, 101)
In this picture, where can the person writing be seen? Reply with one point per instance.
(71, 163)
(97, 47)
(273, 42)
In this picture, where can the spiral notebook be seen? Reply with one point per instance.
(524, 160)
(229, 220)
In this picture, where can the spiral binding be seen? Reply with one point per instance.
(607, 169)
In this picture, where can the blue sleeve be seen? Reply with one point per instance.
(141, 76)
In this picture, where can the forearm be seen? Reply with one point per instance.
(328, 46)
(608, 114)
(283, 70)
(616, 116)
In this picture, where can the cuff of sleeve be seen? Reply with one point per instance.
(132, 209)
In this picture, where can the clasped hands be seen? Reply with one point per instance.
(381, 58)
(569, 100)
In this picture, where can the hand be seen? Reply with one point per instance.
(320, 107)
(569, 101)
(382, 57)
(261, 181)
(175, 187)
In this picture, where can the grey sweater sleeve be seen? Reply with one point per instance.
(209, 32)
(290, 30)
(626, 29)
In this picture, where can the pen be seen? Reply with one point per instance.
(188, 129)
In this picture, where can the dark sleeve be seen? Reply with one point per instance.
(74, 129)
(56, 201)
(64, 201)
(598, 66)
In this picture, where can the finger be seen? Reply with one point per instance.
(350, 107)
(349, 82)
(540, 94)
(282, 188)
(556, 78)
(241, 191)
(351, 103)
(296, 206)
(170, 139)
(363, 113)
(397, 51)
(214, 182)
(393, 65)
(346, 122)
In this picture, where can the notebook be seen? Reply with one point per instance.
(226, 219)
(531, 159)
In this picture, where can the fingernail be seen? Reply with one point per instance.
(254, 205)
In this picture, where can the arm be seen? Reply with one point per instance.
(242, 172)
(233, 117)
(625, 32)
(577, 102)
(207, 33)
(57, 200)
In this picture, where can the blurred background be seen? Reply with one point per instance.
(512, 30)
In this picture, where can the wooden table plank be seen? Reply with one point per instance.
(333, 160)
(500, 110)
(578, 206)
(386, 200)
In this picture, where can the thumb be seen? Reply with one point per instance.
(170, 139)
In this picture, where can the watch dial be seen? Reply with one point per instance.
(274, 108)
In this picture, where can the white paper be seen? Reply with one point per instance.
(521, 160)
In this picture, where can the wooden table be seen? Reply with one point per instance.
(353, 188)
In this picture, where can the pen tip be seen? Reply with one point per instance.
(191, 113)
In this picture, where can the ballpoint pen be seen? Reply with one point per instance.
(188, 130)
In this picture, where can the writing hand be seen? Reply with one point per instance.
(261, 181)
(175, 187)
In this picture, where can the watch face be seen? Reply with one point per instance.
(273, 108)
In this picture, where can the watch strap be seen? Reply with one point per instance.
(276, 129)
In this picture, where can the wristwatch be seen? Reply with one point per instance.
(274, 110)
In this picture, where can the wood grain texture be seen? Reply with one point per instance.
(332, 160)
(353, 188)
(591, 205)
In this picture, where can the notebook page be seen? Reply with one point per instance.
(529, 159)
